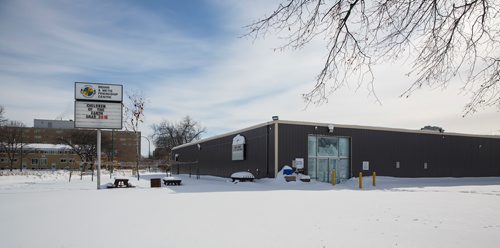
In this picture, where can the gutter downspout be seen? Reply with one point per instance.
(275, 149)
(267, 150)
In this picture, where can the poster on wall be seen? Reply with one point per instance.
(299, 163)
(238, 151)
(366, 165)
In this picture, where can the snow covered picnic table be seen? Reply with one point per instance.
(121, 183)
(172, 180)
(242, 176)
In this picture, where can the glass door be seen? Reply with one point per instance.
(323, 169)
(328, 153)
(332, 166)
(343, 170)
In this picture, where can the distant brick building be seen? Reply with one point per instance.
(117, 145)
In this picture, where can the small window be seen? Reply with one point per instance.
(34, 161)
(63, 160)
(43, 161)
(397, 165)
(425, 166)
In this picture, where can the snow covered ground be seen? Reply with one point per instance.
(45, 210)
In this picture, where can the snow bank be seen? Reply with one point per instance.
(426, 212)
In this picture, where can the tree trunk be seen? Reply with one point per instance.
(137, 155)
(21, 164)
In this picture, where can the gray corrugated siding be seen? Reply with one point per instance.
(214, 158)
(446, 155)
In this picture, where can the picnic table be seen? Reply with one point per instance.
(120, 183)
(172, 181)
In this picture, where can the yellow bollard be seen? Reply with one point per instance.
(361, 180)
(334, 175)
(374, 179)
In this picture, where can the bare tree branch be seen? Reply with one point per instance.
(451, 39)
(12, 139)
(168, 135)
(134, 115)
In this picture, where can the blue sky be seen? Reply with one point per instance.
(187, 57)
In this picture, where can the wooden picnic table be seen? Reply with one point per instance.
(121, 182)
(171, 181)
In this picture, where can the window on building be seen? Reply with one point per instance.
(43, 161)
(63, 160)
(327, 146)
(34, 161)
(311, 146)
(344, 147)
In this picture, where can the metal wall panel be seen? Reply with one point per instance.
(445, 155)
(214, 156)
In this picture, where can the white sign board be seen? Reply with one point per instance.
(366, 165)
(98, 92)
(238, 151)
(107, 115)
(299, 163)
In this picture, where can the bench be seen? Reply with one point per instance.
(171, 181)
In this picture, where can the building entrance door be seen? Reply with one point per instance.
(325, 169)
(328, 153)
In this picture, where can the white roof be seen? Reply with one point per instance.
(418, 131)
(47, 146)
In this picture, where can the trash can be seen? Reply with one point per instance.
(155, 183)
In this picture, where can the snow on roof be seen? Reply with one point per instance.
(389, 129)
(47, 146)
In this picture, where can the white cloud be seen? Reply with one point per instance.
(226, 85)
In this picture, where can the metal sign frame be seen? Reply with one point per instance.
(99, 101)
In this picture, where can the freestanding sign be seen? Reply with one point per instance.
(98, 92)
(98, 106)
(105, 115)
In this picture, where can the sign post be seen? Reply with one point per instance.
(98, 106)
(98, 158)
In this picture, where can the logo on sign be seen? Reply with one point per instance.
(87, 91)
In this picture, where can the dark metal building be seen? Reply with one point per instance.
(266, 148)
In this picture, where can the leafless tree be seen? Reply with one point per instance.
(167, 135)
(84, 144)
(12, 140)
(134, 115)
(446, 39)
(2, 118)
